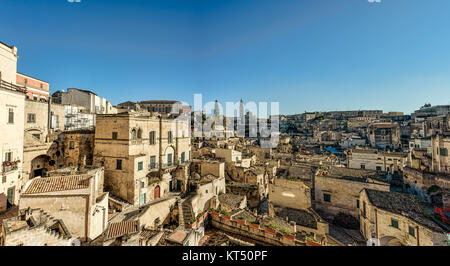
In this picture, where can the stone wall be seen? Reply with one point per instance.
(377, 224)
(263, 236)
(344, 194)
(293, 194)
(71, 209)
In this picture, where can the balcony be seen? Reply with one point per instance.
(10, 166)
(10, 86)
(165, 166)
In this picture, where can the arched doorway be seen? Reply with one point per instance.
(390, 241)
(39, 166)
(157, 192)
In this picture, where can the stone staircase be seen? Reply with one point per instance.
(185, 212)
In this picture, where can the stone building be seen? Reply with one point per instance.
(375, 160)
(396, 219)
(229, 202)
(289, 193)
(141, 154)
(337, 189)
(12, 99)
(78, 147)
(418, 182)
(384, 135)
(78, 200)
(205, 167)
(38, 138)
(255, 176)
(35, 227)
(91, 102)
(157, 106)
(440, 148)
(229, 155)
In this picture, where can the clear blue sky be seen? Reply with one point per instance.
(314, 55)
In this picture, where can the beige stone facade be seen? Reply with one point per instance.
(34, 227)
(374, 160)
(406, 226)
(338, 191)
(12, 98)
(140, 153)
(292, 194)
(440, 147)
(78, 200)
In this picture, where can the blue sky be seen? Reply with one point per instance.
(309, 55)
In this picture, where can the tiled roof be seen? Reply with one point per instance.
(122, 228)
(231, 199)
(58, 183)
(301, 217)
(146, 234)
(404, 204)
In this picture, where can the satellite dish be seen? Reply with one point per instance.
(74, 242)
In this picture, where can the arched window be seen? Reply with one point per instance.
(139, 134)
(133, 133)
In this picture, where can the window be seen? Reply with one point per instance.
(364, 209)
(394, 223)
(114, 135)
(363, 166)
(152, 137)
(119, 164)
(378, 168)
(41, 86)
(139, 134)
(8, 157)
(71, 145)
(140, 166)
(327, 197)
(152, 162)
(142, 199)
(11, 116)
(38, 136)
(357, 203)
(35, 97)
(31, 118)
(169, 159)
(443, 152)
(183, 155)
(170, 136)
(411, 230)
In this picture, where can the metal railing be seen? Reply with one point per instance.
(155, 166)
(9, 166)
(11, 86)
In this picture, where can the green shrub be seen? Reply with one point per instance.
(285, 230)
(225, 212)
(193, 220)
(273, 226)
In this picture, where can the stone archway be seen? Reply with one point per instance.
(390, 241)
(169, 156)
(39, 166)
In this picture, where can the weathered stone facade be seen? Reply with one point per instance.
(140, 152)
(406, 226)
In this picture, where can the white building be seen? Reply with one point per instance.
(12, 101)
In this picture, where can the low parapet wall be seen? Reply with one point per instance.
(264, 235)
